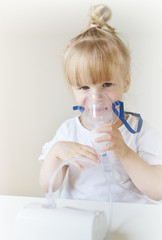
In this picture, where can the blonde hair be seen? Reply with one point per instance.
(93, 55)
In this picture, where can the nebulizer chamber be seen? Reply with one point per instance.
(98, 111)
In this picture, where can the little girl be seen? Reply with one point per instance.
(95, 61)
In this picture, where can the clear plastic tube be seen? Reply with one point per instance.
(50, 193)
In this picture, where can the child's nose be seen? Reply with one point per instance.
(97, 95)
(96, 90)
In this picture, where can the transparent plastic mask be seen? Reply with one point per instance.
(98, 109)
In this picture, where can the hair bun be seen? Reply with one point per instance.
(100, 14)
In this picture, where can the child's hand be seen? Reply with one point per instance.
(114, 137)
(67, 150)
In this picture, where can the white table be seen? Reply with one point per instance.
(129, 221)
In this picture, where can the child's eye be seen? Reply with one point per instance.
(84, 88)
(107, 84)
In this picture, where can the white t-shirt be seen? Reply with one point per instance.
(95, 184)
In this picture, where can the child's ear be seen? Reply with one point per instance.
(127, 82)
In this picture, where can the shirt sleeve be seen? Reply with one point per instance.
(62, 134)
(47, 146)
(149, 146)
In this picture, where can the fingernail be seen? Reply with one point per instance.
(81, 167)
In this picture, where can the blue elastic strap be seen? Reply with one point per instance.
(120, 114)
(80, 108)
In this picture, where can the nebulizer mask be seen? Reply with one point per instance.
(99, 109)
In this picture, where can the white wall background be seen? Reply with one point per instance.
(34, 98)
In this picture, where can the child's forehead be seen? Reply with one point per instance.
(97, 79)
(91, 76)
(91, 82)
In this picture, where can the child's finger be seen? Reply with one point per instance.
(104, 138)
(104, 129)
(80, 166)
(77, 164)
(107, 148)
(90, 149)
(86, 162)
(86, 154)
